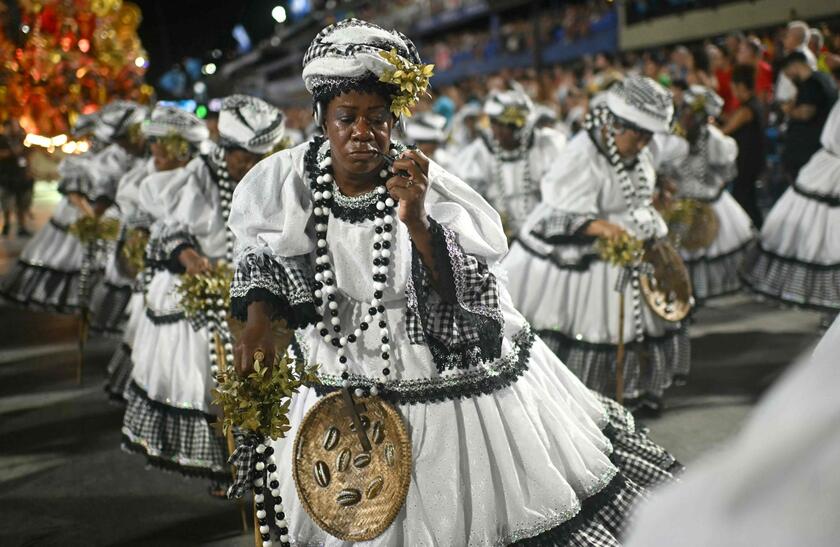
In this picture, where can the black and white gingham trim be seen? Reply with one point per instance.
(284, 283)
(176, 439)
(562, 227)
(463, 326)
(792, 281)
(663, 360)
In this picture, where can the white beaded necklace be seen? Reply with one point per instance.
(323, 185)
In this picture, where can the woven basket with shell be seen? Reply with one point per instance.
(668, 290)
(351, 493)
(693, 225)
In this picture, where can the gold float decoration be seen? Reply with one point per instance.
(352, 493)
(667, 289)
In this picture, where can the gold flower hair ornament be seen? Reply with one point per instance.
(698, 105)
(175, 146)
(135, 133)
(285, 143)
(412, 79)
(513, 115)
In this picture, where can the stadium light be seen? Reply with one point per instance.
(279, 14)
(209, 68)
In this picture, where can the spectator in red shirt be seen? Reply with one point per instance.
(750, 53)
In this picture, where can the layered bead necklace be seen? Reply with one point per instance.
(328, 200)
(500, 156)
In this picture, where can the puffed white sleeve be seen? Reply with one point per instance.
(722, 154)
(570, 201)
(270, 219)
(459, 317)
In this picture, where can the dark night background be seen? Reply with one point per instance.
(174, 29)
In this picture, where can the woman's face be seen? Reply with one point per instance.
(630, 142)
(358, 126)
(239, 162)
(506, 135)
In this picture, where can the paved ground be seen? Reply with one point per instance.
(64, 481)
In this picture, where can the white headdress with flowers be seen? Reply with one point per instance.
(353, 50)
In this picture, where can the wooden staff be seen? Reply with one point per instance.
(619, 354)
(84, 312)
(231, 444)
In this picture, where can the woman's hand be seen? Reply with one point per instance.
(410, 191)
(256, 336)
(604, 229)
(193, 262)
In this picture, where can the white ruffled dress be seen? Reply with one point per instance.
(168, 417)
(569, 295)
(503, 178)
(47, 273)
(715, 270)
(798, 261)
(507, 444)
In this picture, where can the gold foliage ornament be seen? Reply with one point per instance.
(89, 229)
(351, 492)
(260, 402)
(207, 290)
(412, 79)
(692, 224)
(513, 115)
(134, 249)
(175, 146)
(623, 250)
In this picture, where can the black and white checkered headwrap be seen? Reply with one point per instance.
(85, 124)
(643, 102)
(350, 50)
(116, 117)
(250, 123)
(711, 102)
(166, 120)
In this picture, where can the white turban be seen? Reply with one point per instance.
(169, 119)
(250, 123)
(116, 117)
(643, 102)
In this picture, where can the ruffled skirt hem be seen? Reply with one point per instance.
(42, 288)
(795, 282)
(172, 438)
(717, 276)
(649, 368)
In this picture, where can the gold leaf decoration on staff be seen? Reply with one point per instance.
(622, 250)
(260, 402)
(90, 229)
(208, 290)
(134, 249)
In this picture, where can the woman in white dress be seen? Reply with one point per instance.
(174, 136)
(600, 185)
(389, 279)
(701, 164)
(798, 262)
(506, 163)
(47, 274)
(168, 418)
(427, 131)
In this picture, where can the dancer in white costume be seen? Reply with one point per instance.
(427, 131)
(702, 164)
(168, 416)
(507, 445)
(799, 257)
(600, 185)
(174, 136)
(47, 273)
(775, 484)
(506, 163)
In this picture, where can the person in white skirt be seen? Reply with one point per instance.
(174, 137)
(601, 185)
(702, 163)
(168, 416)
(48, 272)
(798, 262)
(506, 163)
(389, 280)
